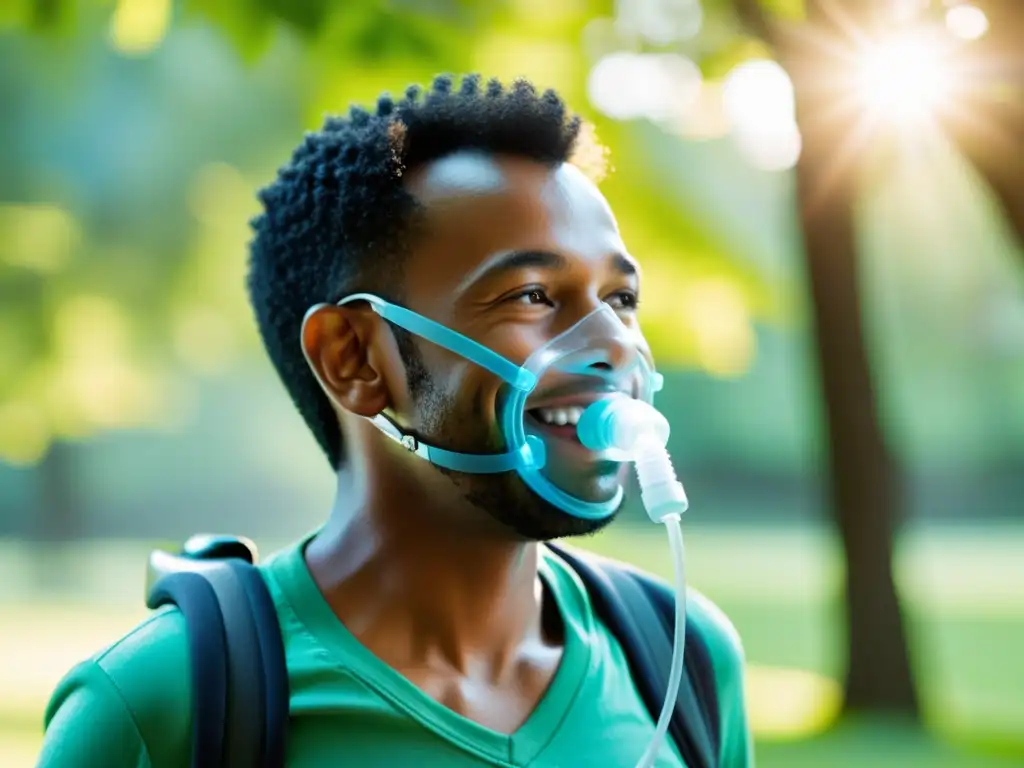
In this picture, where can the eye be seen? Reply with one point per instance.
(624, 300)
(533, 296)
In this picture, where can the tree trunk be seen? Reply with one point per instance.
(987, 123)
(864, 481)
(864, 484)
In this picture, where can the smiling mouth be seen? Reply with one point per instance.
(557, 422)
(569, 447)
(558, 416)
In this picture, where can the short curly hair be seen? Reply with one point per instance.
(337, 219)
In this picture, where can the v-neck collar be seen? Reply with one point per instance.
(311, 609)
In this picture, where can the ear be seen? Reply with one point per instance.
(339, 344)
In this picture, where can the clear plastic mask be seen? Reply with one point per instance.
(542, 398)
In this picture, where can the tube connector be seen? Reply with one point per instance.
(638, 431)
(662, 493)
(621, 424)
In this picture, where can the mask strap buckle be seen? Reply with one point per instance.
(385, 425)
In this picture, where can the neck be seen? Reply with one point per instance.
(415, 589)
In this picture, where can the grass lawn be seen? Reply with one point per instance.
(964, 592)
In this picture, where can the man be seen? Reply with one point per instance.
(424, 624)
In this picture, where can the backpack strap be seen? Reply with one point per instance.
(207, 652)
(239, 675)
(697, 660)
(240, 680)
(639, 612)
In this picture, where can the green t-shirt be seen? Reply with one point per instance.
(130, 705)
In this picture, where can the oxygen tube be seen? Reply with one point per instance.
(641, 432)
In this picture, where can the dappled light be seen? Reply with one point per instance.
(706, 117)
(903, 79)
(40, 238)
(758, 99)
(138, 26)
(211, 313)
(24, 432)
(658, 87)
(660, 22)
(550, 63)
(96, 383)
(967, 21)
(791, 703)
(717, 312)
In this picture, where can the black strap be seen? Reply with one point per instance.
(276, 695)
(243, 728)
(697, 660)
(241, 698)
(624, 603)
(207, 649)
(690, 718)
(240, 720)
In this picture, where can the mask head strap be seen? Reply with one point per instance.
(529, 453)
(486, 464)
(449, 339)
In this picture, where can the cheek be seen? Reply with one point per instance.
(469, 390)
(466, 391)
(483, 396)
(520, 340)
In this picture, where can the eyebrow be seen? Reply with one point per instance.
(513, 261)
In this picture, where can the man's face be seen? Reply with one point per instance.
(513, 254)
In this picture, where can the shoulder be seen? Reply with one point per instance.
(725, 650)
(130, 704)
(712, 623)
(718, 631)
(728, 662)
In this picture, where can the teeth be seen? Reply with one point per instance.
(561, 416)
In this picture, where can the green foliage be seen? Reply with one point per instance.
(739, 48)
(789, 10)
(249, 27)
(370, 30)
(51, 14)
(131, 266)
(307, 16)
(38, 16)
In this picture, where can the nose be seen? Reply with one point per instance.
(606, 355)
(614, 354)
(599, 345)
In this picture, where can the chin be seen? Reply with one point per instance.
(507, 500)
(596, 482)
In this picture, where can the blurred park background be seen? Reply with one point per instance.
(828, 200)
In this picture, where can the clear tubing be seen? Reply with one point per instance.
(675, 677)
(639, 430)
